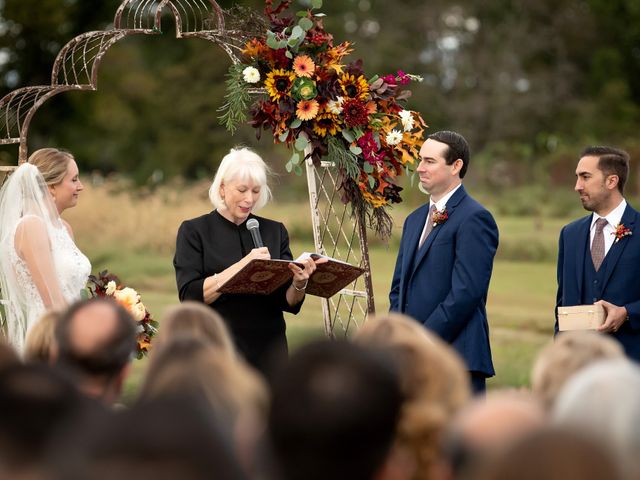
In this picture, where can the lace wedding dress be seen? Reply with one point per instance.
(55, 267)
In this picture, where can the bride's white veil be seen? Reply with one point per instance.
(23, 198)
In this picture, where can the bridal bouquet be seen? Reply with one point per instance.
(108, 285)
(324, 109)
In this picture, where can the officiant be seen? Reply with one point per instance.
(212, 248)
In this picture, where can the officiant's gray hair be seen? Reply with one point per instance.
(241, 164)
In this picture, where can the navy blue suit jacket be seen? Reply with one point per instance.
(445, 286)
(621, 284)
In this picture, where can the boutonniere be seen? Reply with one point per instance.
(439, 217)
(621, 231)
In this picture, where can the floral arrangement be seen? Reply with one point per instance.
(621, 231)
(439, 216)
(322, 108)
(108, 285)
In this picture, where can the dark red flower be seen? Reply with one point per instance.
(370, 149)
(355, 113)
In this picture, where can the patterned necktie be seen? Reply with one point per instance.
(427, 227)
(597, 246)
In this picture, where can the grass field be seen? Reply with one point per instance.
(134, 237)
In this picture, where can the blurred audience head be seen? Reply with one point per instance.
(487, 425)
(548, 454)
(36, 404)
(197, 320)
(163, 439)
(334, 413)
(569, 353)
(96, 339)
(433, 379)
(233, 391)
(39, 342)
(603, 401)
(8, 356)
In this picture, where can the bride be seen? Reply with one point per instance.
(40, 266)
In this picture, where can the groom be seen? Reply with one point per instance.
(446, 255)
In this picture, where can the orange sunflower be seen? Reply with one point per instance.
(307, 109)
(278, 83)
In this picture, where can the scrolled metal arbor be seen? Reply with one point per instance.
(337, 232)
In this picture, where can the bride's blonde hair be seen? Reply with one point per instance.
(52, 164)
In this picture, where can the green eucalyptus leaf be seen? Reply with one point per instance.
(271, 41)
(298, 170)
(372, 182)
(283, 136)
(288, 54)
(348, 135)
(367, 167)
(316, 3)
(297, 31)
(296, 123)
(301, 13)
(305, 24)
(295, 159)
(289, 167)
(356, 150)
(301, 143)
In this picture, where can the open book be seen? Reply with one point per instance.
(265, 276)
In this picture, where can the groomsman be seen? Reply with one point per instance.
(599, 254)
(446, 256)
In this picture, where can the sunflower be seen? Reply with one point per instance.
(354, 87)
(327, 122)
(278, 83)
(307, 109)
(304, 66)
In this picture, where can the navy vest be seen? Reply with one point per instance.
(592, 281)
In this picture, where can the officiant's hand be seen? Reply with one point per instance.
(615, 317)
(261, 253)
(301, 275)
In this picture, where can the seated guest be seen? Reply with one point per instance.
(549, 454)
(96, 338)
(40, 338)
(603, 401)
(566, 355)
(36, 403)
(435, 384)
(334, 413)
(195, 319)
(164, 439)
(486, 426)
(8, 356)
(234, 392)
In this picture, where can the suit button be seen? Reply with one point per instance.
(595, 299)
(595, 282)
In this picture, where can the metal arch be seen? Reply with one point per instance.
(77, 65)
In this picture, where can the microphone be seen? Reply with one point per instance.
(253, 226)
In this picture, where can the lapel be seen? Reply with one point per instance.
(628, 219)
(581, 251)
(452, 204)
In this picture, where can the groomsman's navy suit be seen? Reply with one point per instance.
(444, 284)
(617, 280)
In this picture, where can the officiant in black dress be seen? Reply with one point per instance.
(212, 248)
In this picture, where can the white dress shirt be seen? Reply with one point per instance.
(440, 206)
(613, 220)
